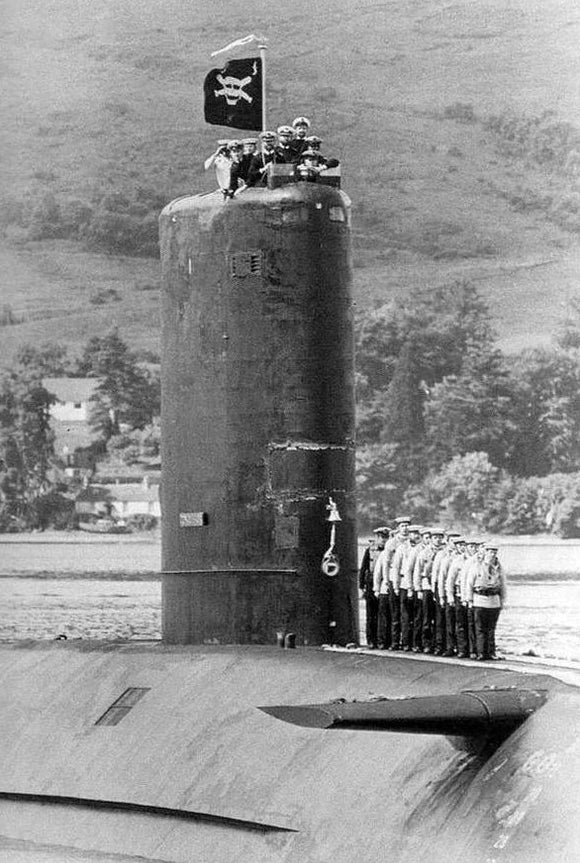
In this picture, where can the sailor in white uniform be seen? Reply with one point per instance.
(486, 594)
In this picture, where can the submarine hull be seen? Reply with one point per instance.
(258, 417)
(190, 769)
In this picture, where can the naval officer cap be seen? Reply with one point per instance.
(426, 531)
(267, 136)
(285, 130)
(490, 546)
(382, 531)
(437, 531)
(402, 519)
(414, 528)
(459, 540)
(301, 121)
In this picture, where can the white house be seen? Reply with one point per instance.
(121, 500)
(133, 499)
(72, 398)
(70, 413)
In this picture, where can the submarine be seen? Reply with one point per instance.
(256, 730)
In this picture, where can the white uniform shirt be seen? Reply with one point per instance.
(383, 565)
(439, 573)
(422, 569)
(401, 574)
(468, 567)
(454, 576)
(486, 577)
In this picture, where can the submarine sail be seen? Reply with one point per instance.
(258, 417)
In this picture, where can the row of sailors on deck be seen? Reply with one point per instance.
(433, 591)
(239, 164)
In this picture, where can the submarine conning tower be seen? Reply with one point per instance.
(258, 417)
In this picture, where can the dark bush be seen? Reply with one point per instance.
(142, 521)
(567, 519)
(542, 139)
(107, 295)
(46, 219)
(461, 111)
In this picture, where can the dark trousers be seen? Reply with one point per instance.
(384, 621)
(407, 614)
(471, 632)
(372, 610)
(461, 628)
(440, 627)
(485, 623)
(418, 624)
(395, 607)
(427, 619)
(451, 637)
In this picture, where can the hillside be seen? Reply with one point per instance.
(105, 96)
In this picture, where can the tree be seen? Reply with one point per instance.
(423, 339)
(548, 394)
(378, 490)
(127, 393)
(462, 488)
(472, 411)
(46, 360)
(137, 445)
(403, 420)
(26, 445)
(404, 351)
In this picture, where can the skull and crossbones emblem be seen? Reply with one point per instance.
(233, 89)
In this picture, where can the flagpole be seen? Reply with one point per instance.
(263, 59)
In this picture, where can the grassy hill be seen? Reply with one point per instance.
(105, 96)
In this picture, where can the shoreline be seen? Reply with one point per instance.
(77, 552)
(553, 576)
(68, 537)
(56, 537)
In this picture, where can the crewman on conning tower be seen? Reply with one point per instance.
(284, 148)
(301, 125)
(257, 174)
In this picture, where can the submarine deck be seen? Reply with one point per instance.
(159, 752)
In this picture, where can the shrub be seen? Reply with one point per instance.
(462, 112)
(542, 139)
(107, 295)
(75, 215)
(463, 487)
(567, 519)
(142, 521)
(523, 514)
(46, 220)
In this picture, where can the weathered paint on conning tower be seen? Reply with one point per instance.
(257, 416)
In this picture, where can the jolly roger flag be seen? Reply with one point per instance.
(233, 95)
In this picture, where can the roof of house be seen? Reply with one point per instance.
(93, 493)
(75, 390)
(127, 493)
(134, 492)
(127, 477)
